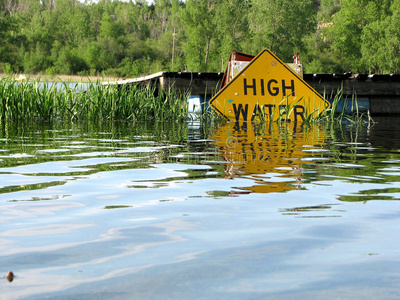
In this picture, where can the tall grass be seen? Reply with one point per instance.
(356, 117)
(35, 101)
(47, 102)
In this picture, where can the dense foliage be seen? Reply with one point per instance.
(128, 39)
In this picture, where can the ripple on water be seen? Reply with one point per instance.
(235, 210)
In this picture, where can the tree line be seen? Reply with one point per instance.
(128, 39)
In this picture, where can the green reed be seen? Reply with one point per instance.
(356, 117)
(46, 102)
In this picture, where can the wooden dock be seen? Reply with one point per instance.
(189, 82)
(382, 92)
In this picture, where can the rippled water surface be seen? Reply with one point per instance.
(226, 211)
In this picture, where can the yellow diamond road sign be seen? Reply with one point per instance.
(268, 89)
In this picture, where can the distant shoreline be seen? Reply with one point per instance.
(60, 78)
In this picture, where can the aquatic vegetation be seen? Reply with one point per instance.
(25, 100)
(350, 112)
(46, 102)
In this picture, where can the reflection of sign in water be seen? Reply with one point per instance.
(270, 154)
(268, 88)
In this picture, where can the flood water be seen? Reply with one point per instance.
(195, 211)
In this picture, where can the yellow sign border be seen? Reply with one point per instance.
(327, 104)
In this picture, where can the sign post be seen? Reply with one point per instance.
(267, 89)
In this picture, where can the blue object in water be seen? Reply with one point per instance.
(350, 106)
(198, 104)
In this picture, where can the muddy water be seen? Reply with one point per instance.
(189, 211)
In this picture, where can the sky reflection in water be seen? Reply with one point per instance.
(231, 211)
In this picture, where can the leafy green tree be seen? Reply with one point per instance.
(110, 27)
(280, 25)
(317, 56)
(133, 17)
(92, 57)
(37, 60)
(136, 37)
(393, 38)
(381, 42)
(6, 24)
(162, 12)
(349, 23)
(70, 62)
(373, 46)
(232, 29)
(167, 35)
(327, 9)
(199, 23)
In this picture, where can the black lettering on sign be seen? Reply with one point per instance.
(267, 110)
(249, 86)
(262, 87)
(275, 90)
(257, 112)
(273, 87)
(299, 111)
(270, 107)
(239, 110)
(288, 87)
